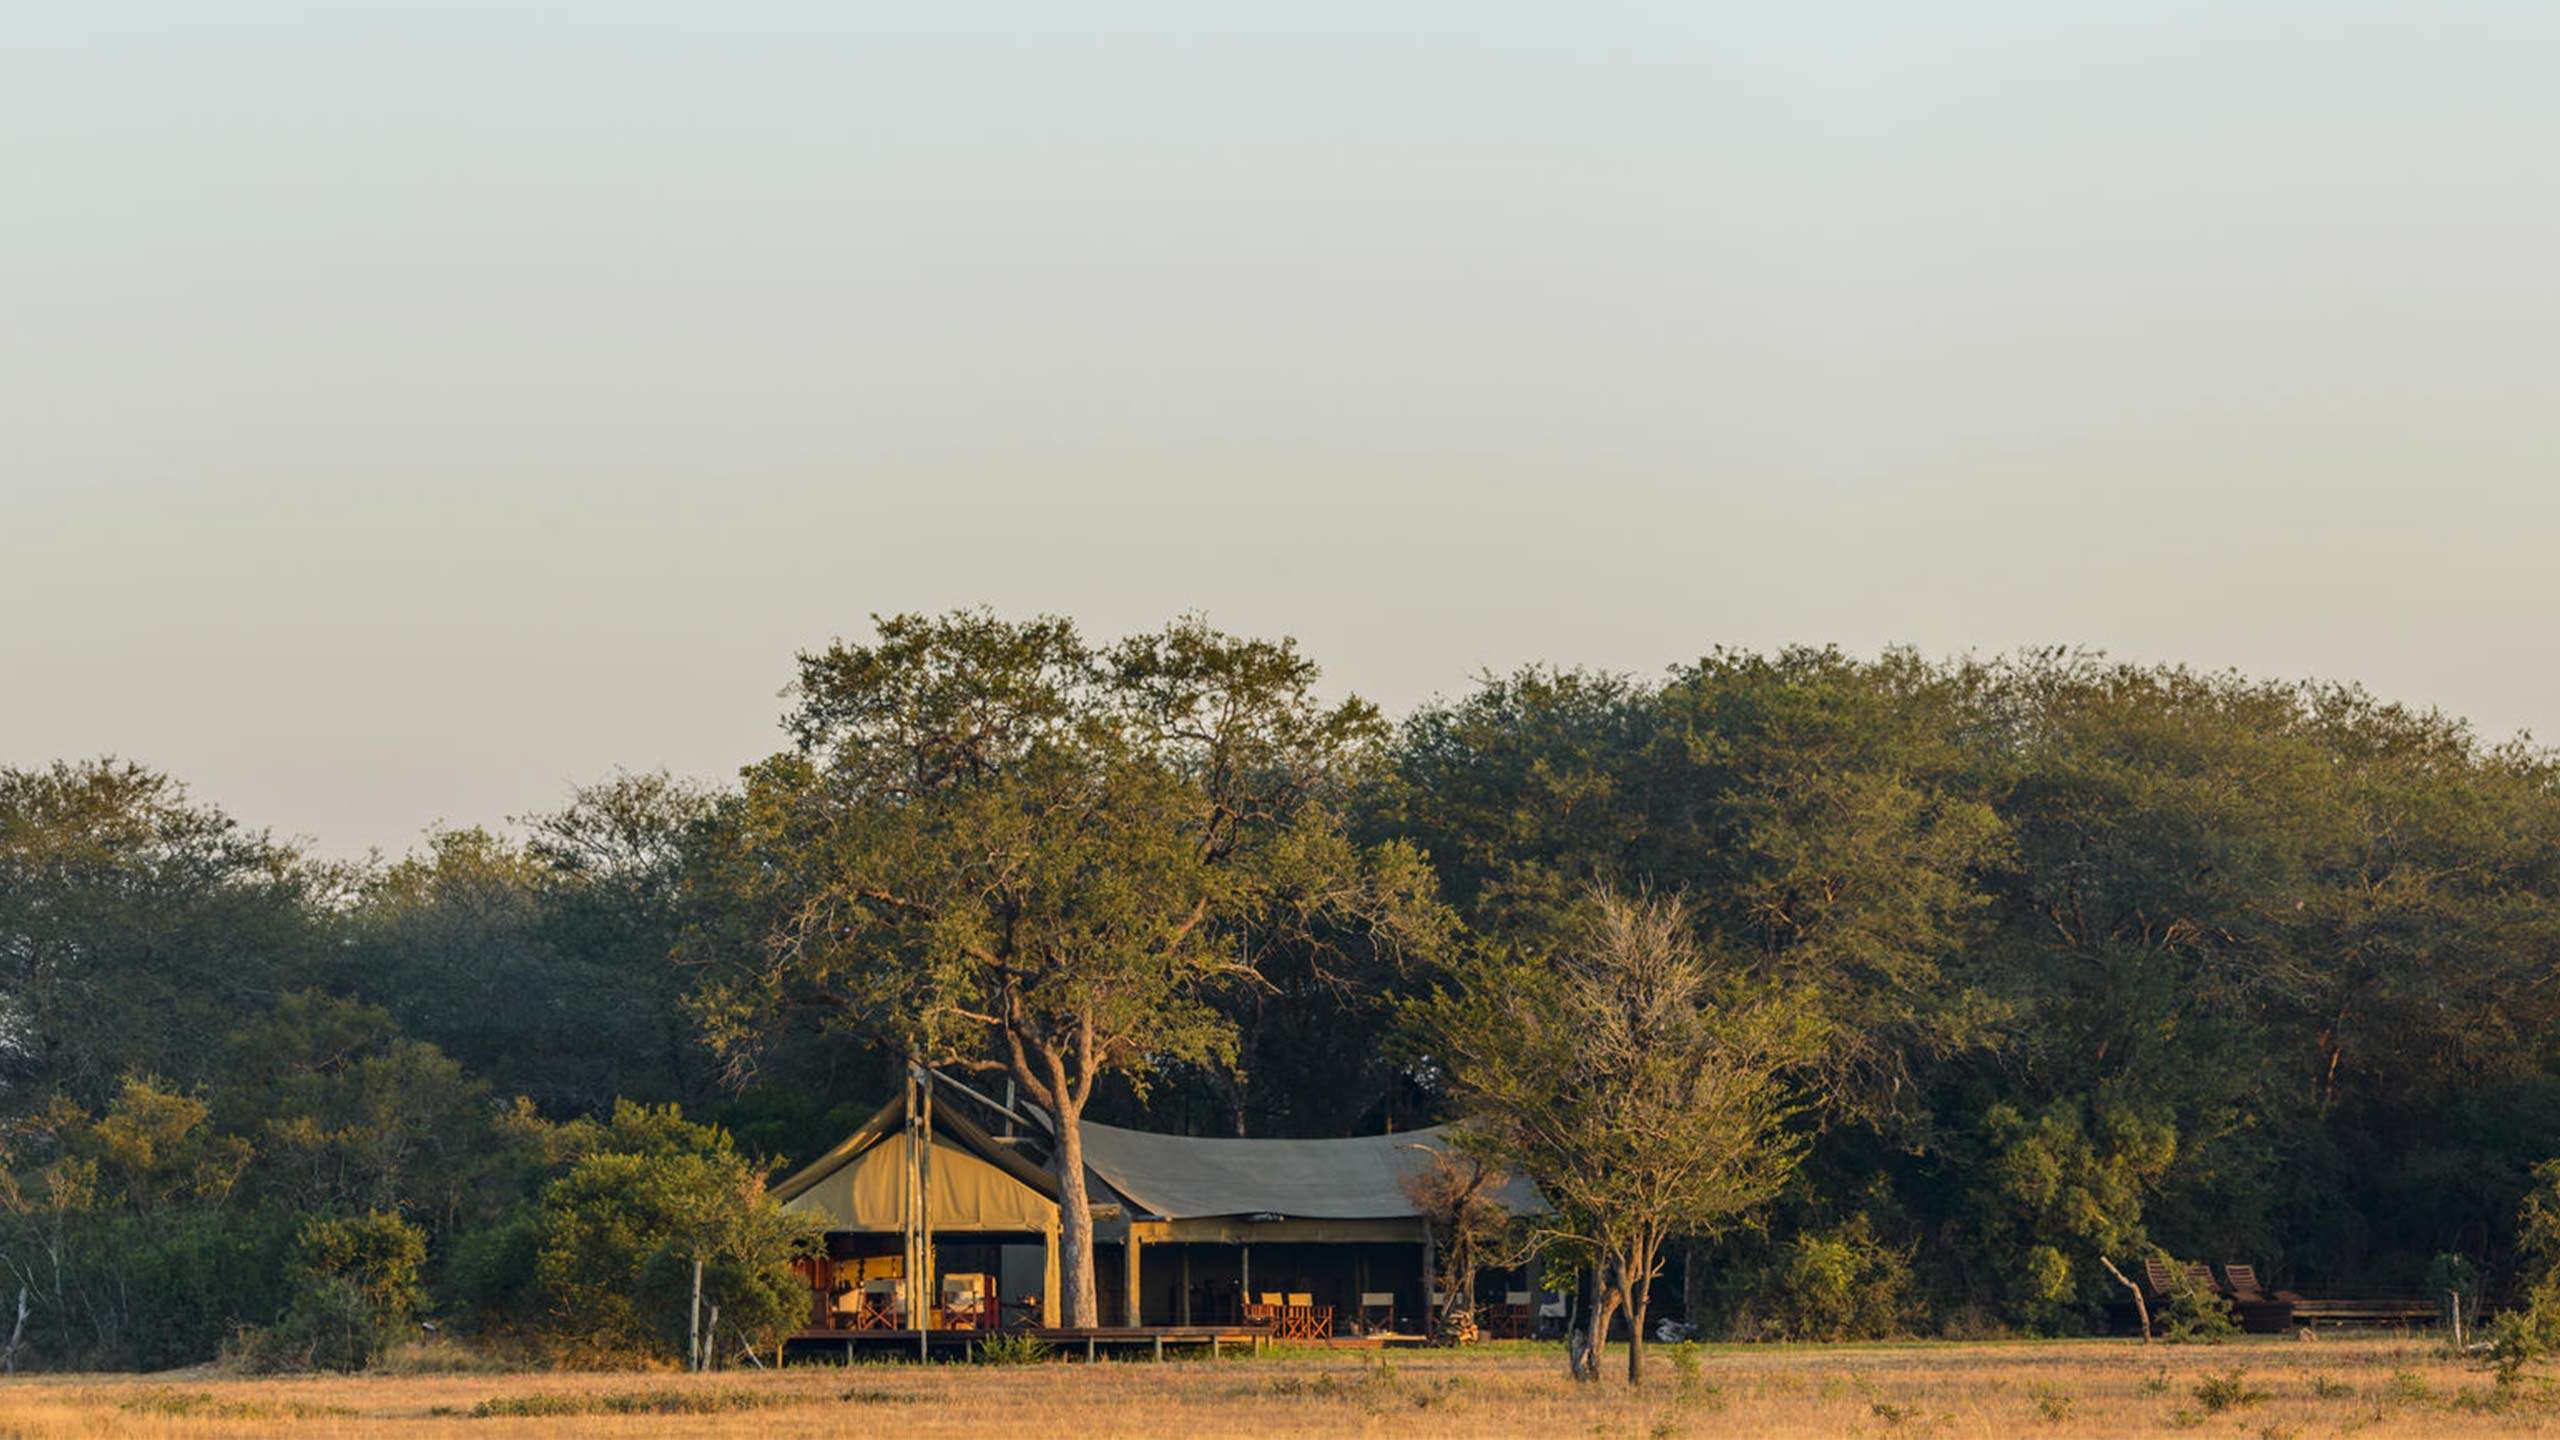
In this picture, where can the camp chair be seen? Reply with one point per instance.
(1303, 1319)
(1511, 1321)
(883, 1305)
(843, 1309)
(1266, 1311)
(1377, 1310)
(964, 1301)
(1557, 1310)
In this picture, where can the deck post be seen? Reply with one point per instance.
(1159, 1349)
(1129, 1259)
(1183, 1310)
(1245, 1289)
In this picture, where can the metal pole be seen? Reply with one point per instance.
(907, 1198)
(924, 1220)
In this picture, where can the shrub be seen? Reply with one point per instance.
(355, 1287)
(615, 1241)
(628, 1402)
(1012, 1350)
(2229, 1390)
(1841, 1284)
(2530, 1332)
(438, 1355)
(376, 1254)
(489, 1272)
(2193, 1314)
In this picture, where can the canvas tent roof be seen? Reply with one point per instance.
(952, 1131)
(1181, 1177)
(1171, 1177)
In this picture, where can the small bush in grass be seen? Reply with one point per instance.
(2407, 1385)
(205, 1405)
(2229, 1390)
(2052, 1402)
(2192, 1314)
(437, 1355)
(2491, 1400)
(2329, 1387)
(628, 1402)
(1014, 1349)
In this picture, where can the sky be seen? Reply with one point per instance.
(411, 411)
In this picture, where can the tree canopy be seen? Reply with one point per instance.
(2103, 958)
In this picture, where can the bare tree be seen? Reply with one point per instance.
(1636, 1082)
(1459, 1195)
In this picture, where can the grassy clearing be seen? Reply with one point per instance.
(2252, 1390)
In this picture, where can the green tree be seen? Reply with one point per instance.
(348, 1115)
(995, 846)
(616, 1239)
(355, 1283)
(2058, 1190)
(1635, 1081)
(125, 1233)
(134, 922)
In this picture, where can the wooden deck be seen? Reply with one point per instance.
(1090, 1344)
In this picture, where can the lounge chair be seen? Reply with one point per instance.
(2262, 1312)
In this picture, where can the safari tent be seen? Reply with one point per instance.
(1188, 1230)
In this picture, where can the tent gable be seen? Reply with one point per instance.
(966, 1194)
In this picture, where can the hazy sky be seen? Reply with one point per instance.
(408, 411)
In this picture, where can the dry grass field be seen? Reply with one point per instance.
(2265, 1390)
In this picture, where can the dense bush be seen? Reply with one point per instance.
(616, 1240)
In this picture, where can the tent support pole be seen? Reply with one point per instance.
(1130, 1259)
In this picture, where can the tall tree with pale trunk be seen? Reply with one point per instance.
(1000, 848)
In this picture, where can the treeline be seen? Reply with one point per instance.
(2103, 958)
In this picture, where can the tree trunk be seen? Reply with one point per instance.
(1693, 1283)
(17, 1332)
(1637, 1295)
(1075, 1226)
(693, 1323)
(1579, 1361)
(2141, 1307)
(1604, 1312)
